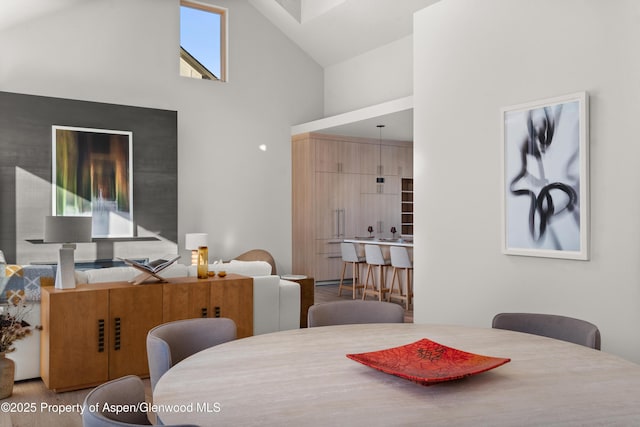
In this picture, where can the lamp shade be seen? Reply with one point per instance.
(193, 241)
(67, 229)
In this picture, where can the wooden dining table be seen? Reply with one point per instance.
(303, 378)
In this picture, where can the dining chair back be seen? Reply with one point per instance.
(125, 392)
(171, 342)
(551, 325)
(350, 256)
(354, 312)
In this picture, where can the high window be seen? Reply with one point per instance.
(203, 41)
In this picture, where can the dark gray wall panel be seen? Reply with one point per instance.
(25, 142)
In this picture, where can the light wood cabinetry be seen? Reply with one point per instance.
(133, 310)
(334, 156)
(231, 296)
(185, 301)
(338, 202)
(79, 327)
(94, 333)
(337, 195)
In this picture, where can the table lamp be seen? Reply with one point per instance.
(67, 230)
(192, 242)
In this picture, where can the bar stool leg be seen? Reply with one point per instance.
(409, 288)
(357, 279)
(395, 277)
(399, 294)
(381, 283)
(365, 290)
(344, 268)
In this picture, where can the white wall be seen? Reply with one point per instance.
(377, 76)
(471, 59)
(126, 52)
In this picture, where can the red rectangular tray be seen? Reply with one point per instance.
(427, 362)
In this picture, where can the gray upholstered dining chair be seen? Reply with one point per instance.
(171, 342)
(353, 312)
(551, 325)
(128, 390)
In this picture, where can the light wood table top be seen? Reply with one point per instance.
(302, 377)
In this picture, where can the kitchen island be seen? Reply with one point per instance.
(408, 243)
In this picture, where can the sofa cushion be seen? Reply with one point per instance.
(266, 304)
(289, 305)
(111, 274)
(25, 279)
(245, 268)
(125, 274)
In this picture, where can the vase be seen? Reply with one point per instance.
(7, 369)
(203, 262)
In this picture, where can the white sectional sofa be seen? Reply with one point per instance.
(276, 303)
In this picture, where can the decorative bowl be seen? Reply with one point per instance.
(428, 362)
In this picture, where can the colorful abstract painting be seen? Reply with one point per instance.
(92, 176)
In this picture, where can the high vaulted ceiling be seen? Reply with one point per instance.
(335, 30)
(330, 31)
(15, 12)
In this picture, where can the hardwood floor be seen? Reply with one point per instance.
(33, 405)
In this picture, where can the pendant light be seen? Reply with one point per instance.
(380, 178)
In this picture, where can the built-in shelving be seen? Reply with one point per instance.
(407, 205)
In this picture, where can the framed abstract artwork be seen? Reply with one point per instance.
(545, 186)
(92, 175)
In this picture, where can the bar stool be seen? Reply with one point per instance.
(374, 258)
(350, 256)
(400, 261)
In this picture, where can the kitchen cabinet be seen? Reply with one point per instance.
(336, 195)
(336, 156)
(338, 205)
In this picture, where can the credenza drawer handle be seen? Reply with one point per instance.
(100, 335)
(116, 344)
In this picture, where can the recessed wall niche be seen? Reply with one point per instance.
(26, 123)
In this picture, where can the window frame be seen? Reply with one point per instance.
(224, 14)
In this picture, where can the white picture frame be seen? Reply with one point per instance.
(545, 178)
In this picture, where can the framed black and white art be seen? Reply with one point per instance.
(545, 178)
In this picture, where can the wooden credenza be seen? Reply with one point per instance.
(98, 332)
